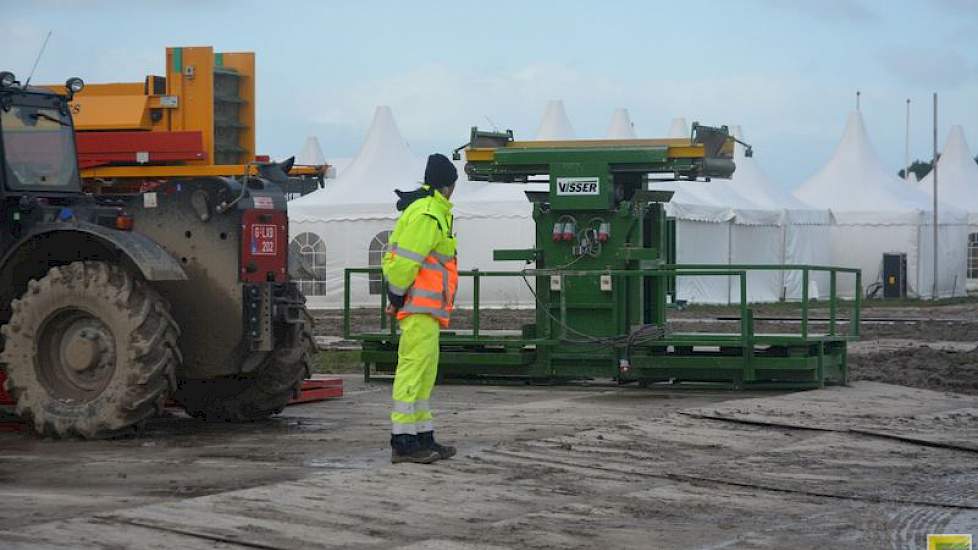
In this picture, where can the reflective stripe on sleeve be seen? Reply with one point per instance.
(407, 253)
(422, 405)
(443, 258)
(424, 427)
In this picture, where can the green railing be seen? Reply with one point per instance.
(806, 271)
(666, 271)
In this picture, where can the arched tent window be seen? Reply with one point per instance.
(308, 268)
(378, 247)
(973, 255)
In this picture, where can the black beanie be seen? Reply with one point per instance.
(440, 172)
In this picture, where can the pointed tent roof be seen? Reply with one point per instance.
(714, 202)
(854, 181)
(957, 173)
(678, 128)
(621, 126)
(913, 179)
(750, 180)
(311, 154)
(555, 124)
(383, 164)
(364, 189)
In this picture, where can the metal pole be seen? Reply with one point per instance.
(858, 93)
(934, 296)
(906, 147)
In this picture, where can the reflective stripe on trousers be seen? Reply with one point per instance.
(417, 367)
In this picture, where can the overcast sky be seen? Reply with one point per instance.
(787, 71)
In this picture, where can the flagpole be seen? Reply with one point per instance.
(934, 169)
(906, 147)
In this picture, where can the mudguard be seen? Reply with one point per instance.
(153, 262)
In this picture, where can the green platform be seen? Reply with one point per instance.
(805, 359)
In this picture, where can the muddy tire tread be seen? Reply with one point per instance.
(152, 351)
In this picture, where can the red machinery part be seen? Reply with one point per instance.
(8, 423)
(318, 389)
(264, 245)
(5, 398)
(107, 148)
(569, 231)
(313, 389)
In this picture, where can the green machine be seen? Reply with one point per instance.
(603, 277)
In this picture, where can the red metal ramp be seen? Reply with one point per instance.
(318, 388)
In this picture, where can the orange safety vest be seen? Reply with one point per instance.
(433, 290)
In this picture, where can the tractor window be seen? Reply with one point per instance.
(39, 149)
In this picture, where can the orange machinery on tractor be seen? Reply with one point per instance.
(197, 121)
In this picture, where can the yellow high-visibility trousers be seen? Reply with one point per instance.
(417, 367)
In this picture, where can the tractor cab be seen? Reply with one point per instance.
(37, 139)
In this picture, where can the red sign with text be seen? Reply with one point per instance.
(264, 249)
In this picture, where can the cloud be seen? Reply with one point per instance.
(435, 104)
(848, 11)
(958, 7)
(20, 41)
(928, 68)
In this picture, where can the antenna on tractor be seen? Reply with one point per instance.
(38, 59)
(491, 123)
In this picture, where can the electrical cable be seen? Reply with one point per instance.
(626, 340)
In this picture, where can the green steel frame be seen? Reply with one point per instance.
(805, 359)
(604, 275)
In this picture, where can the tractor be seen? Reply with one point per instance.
(111, 305)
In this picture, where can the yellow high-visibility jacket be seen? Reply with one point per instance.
(420, 263)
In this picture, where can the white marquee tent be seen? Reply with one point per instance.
(347, 223)
(957, 176)
(957, 182)
(717, 225)
(746, 220)
(874, 212)
(311, 154)
(621, 126)
(804, 230)
(678, 128)
(555, 124)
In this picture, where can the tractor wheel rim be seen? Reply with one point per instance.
(76, 355)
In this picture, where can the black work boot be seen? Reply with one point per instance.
(427, 441)
(405, 448)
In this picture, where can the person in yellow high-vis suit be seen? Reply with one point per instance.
(422, 275)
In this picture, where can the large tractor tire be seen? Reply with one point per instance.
(256, 395)
(89, 350)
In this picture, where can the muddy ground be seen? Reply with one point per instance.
(866, 466)
(872, 465)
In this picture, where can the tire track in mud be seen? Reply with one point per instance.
(571, 464)
(913, 524)
(905, 519)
